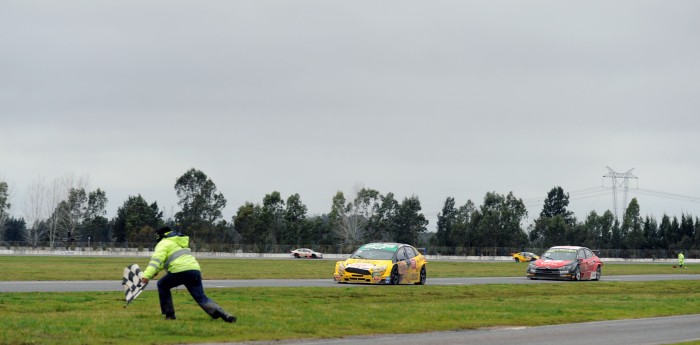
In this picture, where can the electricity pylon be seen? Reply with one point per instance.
(624, 184)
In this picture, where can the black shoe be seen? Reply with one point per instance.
(170, 317)
(224, 316)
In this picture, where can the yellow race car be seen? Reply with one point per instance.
(525, 257)
(383, 263)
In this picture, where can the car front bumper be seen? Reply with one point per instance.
(544, 273)
(362, 278)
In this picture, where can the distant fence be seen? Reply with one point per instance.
(652, 254)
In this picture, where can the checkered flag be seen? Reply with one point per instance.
(133, 286)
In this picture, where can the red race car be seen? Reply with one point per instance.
(566, 262)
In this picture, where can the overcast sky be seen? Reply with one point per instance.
(429, 98)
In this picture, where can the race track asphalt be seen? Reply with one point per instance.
(115, 285)
(650, 331)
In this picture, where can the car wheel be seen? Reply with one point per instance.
(577, 274)
(296, 255)
(516, 260)
(598, 272)
(394, 277)
(313, 256)
(423, 276)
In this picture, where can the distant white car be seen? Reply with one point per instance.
(306, 253)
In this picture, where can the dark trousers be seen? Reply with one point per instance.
(192, 281)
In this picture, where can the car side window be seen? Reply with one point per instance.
(581, 254)
(410, 253)
(589, 253)
(400, 254)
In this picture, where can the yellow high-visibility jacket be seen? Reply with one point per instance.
(173, 254)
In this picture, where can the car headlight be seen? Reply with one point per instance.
(378, 270)
(569, 267)
(531, 267)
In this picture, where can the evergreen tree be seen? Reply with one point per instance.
(696, 234)
(556, 204)
(632, 233)
(686, 232)
(321, 229)
(651, 233)
(384, 224)
(499, 223)
(463, 228)
(297, 230)
(665, 232)
(675, 234)
(273, 217)
(337, 215)
(201, 204)
(607, 223)
(136, 221)
(247, 223)
(410, 221)
(593, 230)
(446, 222)
(556, 222)
(14, 230)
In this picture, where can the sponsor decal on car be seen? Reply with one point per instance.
(567, 250)
(361, 265)
(384, 246)
(403, 267)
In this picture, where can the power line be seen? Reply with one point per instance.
(665, 195)
(594, 192)
(587, 193)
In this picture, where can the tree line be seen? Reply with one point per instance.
(65, 213)
(496, 223)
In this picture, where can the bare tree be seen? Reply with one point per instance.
(355, 217)
(68, 205)
(35, 211)
(44, 213)
(56, 192)
(351, 229)
(76, 207)
(4, 208)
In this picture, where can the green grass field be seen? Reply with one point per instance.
(297, 313)
(110, 268)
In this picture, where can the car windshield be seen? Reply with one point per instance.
(375, 251)
(373, 254)
(560, 254)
